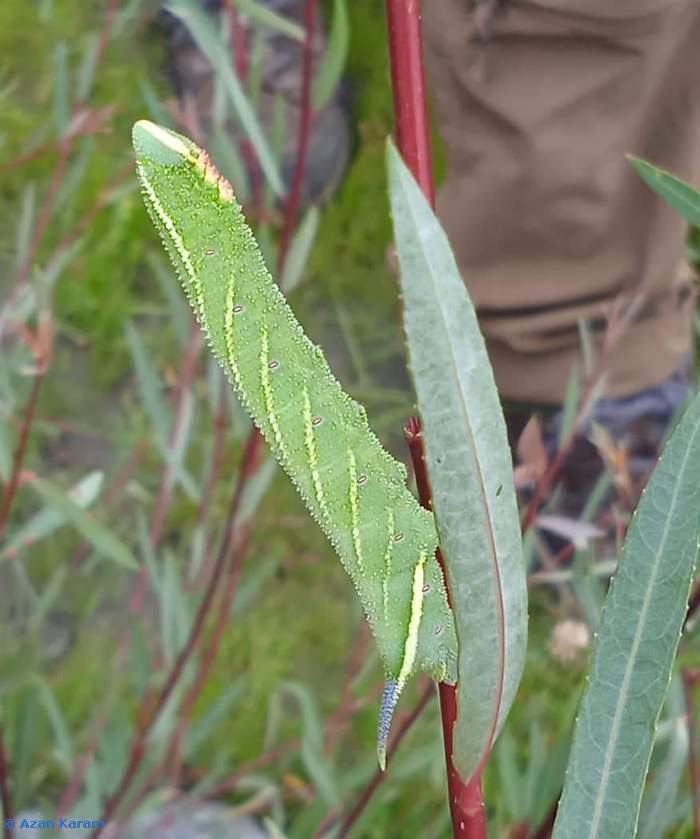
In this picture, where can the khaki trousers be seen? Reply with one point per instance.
(538, 101)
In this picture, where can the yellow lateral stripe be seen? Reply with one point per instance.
(354, 513)
(167, 138)
(312, 454)
(228, 327)
(411, 645)
(387, 563)
(267, 391)
(176, 239)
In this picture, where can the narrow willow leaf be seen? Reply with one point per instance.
(640, 628)
(25, 225)
(48, 520)
(86, 73)
(201, 729)
(354, 489)
(334, 59)
(270, 19)
(161, 417)
(149, 384)
(153, 105)
(299, 250)
(64, 746)
(683, 198)
(61, 100)
(207, 39)
(659, 802)
(178, 312)
(103, 540)
(470, 470)
(320, 769)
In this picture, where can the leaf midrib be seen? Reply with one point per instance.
(624, 689)
(482, 493)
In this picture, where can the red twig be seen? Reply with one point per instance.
(211, 650)
(20, 451)
(412, 134)
(689, 681)
(167, 482)
(544, 831)
(150, 715)
(216, 462)
(402, 726)
(75, 782)
(106, 29)
(408, 83)
(466, 801)
(5, 798)
(294, 198)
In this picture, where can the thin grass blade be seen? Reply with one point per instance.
(683, 198)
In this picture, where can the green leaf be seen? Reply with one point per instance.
(64, 745)
(103, 540)
(48, 520)
(334, 59)
(270, 19)
(299, 250)
(180, 316)
(61, 99)
(320, 769)
(201, 729)
(683, 198)
(160, 415)
(25, 225)
(657, 812)
(149, 384)
(470, 470)
(86, 72)
(212, 46)
(640, 628)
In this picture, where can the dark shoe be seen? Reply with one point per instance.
(281, 78)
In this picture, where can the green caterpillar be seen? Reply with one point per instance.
(353, 488)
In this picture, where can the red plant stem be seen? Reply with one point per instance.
(689, 680)
(403, 725)
(260, 762)
(294, 198)
(239, 544)
(44, 216)
(5, 798)
(20, 451)
(187, 371)
(150, 715)
(413, 138)
(218, 452)
(106, 29)
(72, 790)
(408, 83)
(466, 800)
(544, 831)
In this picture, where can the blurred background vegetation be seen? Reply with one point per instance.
(134, 426)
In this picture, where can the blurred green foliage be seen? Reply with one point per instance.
(300, 619)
